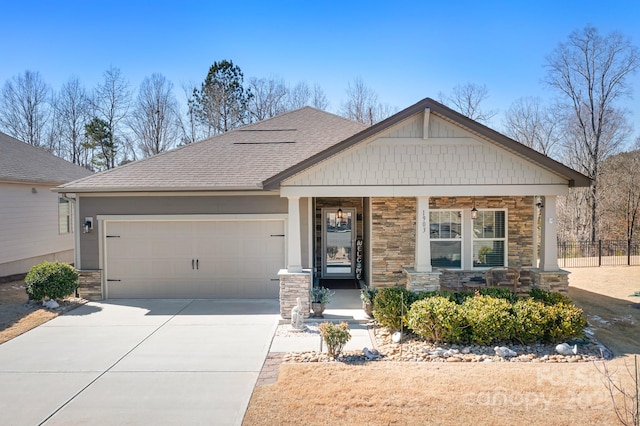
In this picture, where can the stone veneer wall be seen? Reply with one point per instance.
(554, 281)
(393, 234)
(90, 284)
(292, 286)
(422, 281)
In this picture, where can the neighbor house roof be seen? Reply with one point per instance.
(573, 177)
(240, 159)
(21, 162)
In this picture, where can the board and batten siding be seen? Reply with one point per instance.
(92, 206)
(449, 156)
(29, 228)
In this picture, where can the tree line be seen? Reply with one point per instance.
(111, 125)
(583, 126)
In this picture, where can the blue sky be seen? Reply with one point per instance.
(405, 51)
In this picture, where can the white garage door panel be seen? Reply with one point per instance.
(230, 259)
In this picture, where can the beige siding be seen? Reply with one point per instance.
(450, 156)
(29, 228)
(159, 205)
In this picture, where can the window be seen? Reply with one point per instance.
(446, 238)
(489, 239)
(64, 216)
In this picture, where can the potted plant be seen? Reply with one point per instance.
(367, 294)
(320, 296)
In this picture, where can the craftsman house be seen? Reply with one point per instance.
(269, 209)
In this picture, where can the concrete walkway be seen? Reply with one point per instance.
(138, 362)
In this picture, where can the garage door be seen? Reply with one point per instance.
(199, 259)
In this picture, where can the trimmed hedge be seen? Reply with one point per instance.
(480, 318)
(391, 306)
(489, 319)
(437, 319)
(530, 319)
(565, 320)
(54, 280)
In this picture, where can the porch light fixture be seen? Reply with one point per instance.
(474, 211)
(339, 213)
(539, 204)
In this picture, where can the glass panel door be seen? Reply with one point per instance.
(338, 235)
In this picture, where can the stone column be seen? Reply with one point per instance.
(423, 234)
(294, 250)
(293, 286)
(549, 244)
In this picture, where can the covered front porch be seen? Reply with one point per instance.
(437, 190)
(409, 241)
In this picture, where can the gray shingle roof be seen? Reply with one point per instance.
(21, 162)
(239, 159)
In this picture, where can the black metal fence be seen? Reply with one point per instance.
(576, 254)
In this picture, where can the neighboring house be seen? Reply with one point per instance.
(268, 209)
(35, 222)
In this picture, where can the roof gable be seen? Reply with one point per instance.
(434, 109)
(21, 162)
(240, 159)
(449, 156)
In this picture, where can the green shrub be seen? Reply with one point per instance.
(437, 319)
(500, 293)
(489, 319)
(548, 298)
(564, 321)
(389, 306)
(54, 280)
(335, 336)
(530, 318)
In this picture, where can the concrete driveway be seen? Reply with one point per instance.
(138, 362)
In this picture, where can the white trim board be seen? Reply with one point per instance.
(193, 217)
(423, 190)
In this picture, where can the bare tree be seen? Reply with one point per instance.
(72, 108)
(467, 99)
(299, 96)
(269, 98)
(24, 107)
(111, 101)
(620, 201)
(154, 116)
(319, 98)
(190, 128)
(362, 104)
(590, 73)
(302, 95)
(534, 125)
(624, 392)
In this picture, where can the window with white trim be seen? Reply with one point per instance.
(489, 238)
(446, 238)
(64, 216)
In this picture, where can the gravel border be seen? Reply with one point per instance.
(414, 349)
